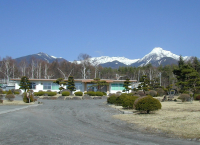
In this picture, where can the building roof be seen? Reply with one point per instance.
(77, 80)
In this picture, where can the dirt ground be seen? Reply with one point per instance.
(15, 102)
(174, 118)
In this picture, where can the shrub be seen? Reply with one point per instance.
(65, 93)
(99, 93)
(26, 99)
(160, 92)
(78, 93)
(128, 101)
(148, 104)
(111, 99)
(184, 97)
(118, 93)
(91, 93)
(40, 93)
(136, 101)
(10, 97)
(1, 96)
(197, 97)
(119, 99)
(18, 90)
(141, 93)
(1, 91)
(51, 93)
(16, 93)
(4, 92)
(104, 93)
(152, 93)
(9, 92)
(111, 94)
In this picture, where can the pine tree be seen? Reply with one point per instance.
(144, 84)
(99, 84)
(126, 85)
(24, 83)
(71, 84)
(61, 83)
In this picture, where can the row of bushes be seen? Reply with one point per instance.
(42, 93)
(92, 93)
(146, 103)
(13, 91)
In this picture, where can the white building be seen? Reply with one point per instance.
(80, 84)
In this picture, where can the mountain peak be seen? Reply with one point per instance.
(157, 50)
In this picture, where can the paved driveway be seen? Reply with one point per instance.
(73, 122)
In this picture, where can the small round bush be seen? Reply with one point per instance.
(160, 92)
(16, 93)
(91, 93)
(26, 98)
(10, 97)
(148, 104)
(128, 101)
(1, 91)
(197, 97)
(152, 93)
(78, 93)
(119, 99)
(118, 93)
(184, 97)
(136, 101)
(99, 93)
(104, 93)
(65, 93)
(141, 93)
(40, 93)
(9, 92)
(52, 93)
(111, 99)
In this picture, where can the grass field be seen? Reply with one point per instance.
(175, 119)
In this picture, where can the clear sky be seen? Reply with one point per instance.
(129, 28)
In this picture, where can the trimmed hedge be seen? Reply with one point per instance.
(184, 97)
(111, 99)
(10, 97)
(91, 93)
(40, 93)
(148, 104)
(65, 93)
(78, 93)
(99, 93)
(152, 93)
(128, 101)
(26, 100)
(51, 93)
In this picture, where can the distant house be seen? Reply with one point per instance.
(80, 84)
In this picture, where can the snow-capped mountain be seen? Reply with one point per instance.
(39, 56)
(106, 59)
(156, 55)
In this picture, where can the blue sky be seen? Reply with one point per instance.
(129, 28)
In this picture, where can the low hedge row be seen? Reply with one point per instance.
(41, 93)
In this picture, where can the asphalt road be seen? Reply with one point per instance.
(74, 122)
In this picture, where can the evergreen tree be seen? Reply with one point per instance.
(126, 85)
(144, 84)
(24, 83)
(61, 83)
(99, 84)
(71, 84)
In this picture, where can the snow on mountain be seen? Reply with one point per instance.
(105, 59)
(156, 54)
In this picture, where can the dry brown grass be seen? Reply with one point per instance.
(175, 118)
(15, 102)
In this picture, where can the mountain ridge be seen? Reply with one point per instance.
(156, 57)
